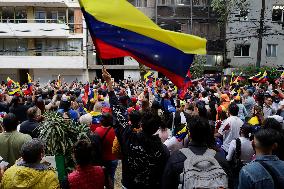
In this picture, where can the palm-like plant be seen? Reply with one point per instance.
(59, 136)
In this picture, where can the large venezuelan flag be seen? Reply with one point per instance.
(119, 29)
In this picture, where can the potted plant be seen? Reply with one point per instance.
(59, 135)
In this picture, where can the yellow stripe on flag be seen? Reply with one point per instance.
(122, 14)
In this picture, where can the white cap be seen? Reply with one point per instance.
(64, 98)
(281, 103)
(277, 118)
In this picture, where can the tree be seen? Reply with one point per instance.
(224, 8)
(198, 67)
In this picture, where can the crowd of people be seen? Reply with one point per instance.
(214, 137)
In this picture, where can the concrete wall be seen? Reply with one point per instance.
(34, 30)
(45, 75)
(129, 61)
(12, 73)
(245, 32)
(55, 62)
(133, 74)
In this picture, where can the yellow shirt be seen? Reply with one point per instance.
(253, 121)
(27, 178)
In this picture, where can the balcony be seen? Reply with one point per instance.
(34, 3)
(42, 62)
(39, 28)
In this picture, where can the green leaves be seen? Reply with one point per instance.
(198, 66)
(60, 134)
(224, 8)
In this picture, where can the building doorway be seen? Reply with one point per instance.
(116, 74)
(23, 77)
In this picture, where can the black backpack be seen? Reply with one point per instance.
(236, 162)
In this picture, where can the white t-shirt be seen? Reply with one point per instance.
(230, 130)
(173, 144)
(246, 150)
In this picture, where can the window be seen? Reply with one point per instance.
(243, 15)
(8, 14)
(199, 3)
(61, 16)
(278, 14)
(52, 16)
(22, 46)
(39, 45)
(141, 3)
(20, 15)
(40, 16)
(74, 44)
(13, 47)
(162, 2)
(1, 46)
(271, 50)
(242, 50)
(58, 47)
(71, 15)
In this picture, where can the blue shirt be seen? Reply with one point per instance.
(255, 176)
(72, 113)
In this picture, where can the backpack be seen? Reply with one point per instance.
(236, 162)
(97, 144)
(202, 171)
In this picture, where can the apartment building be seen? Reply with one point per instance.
(194, 17)
(243, 34)
(44, 38)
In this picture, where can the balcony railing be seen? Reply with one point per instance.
(73, 27)
(41, 53)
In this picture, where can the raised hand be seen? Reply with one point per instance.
(106, 76)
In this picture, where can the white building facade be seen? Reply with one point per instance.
(44, 38)
(243, 29)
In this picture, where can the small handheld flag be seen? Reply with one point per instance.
(256, 77)
(263, 78)
(30, 84)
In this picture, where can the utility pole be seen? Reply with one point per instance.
(260, 34)
(191, 18)
(156, 11)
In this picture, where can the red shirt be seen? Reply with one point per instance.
(107, 143)
(87, 177)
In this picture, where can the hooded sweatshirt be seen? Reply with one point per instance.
(29, 178)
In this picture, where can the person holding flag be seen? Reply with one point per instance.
(29, 90)
(58, 82)
(14, 88)
(256, 77)
(148, 77)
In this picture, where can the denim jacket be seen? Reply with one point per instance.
(255, 176)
